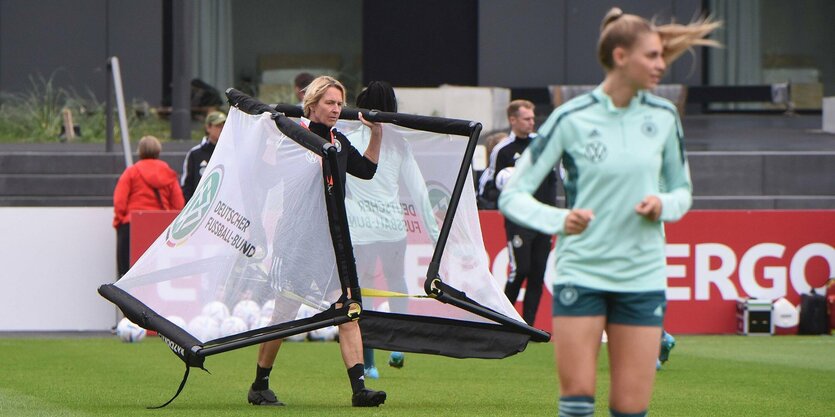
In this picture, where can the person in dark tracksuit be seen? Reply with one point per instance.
(528, 249)
(198, 157)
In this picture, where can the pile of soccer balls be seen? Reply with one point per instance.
(216, 320)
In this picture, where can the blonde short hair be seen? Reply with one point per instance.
(149, 147)
(316, 89)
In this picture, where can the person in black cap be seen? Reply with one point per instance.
(198, 157)
(300, 84)
(373, 241)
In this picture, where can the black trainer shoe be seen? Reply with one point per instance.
(368, 398)
(265, 397)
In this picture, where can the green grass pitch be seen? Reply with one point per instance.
(706, 376)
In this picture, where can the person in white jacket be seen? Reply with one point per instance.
(376, 214)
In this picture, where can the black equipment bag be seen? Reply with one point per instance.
(814, 314)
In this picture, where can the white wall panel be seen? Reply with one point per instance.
(52, 260)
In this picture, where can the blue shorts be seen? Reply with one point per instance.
(631, 308)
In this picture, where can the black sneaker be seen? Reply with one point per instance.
(265, 397)
(368, 398)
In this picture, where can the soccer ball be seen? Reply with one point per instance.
(204, 328)
(397, 360)
(267, 309)
(129, 332)
(232, 325)
(784, 314)
(216, 310)
(249, 311)
(503, 177)
(304, 312)
(264, 321)
(325, 334)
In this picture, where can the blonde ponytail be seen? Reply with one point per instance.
(678, 38)
(619, 29)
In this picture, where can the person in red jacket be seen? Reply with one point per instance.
(150, 184)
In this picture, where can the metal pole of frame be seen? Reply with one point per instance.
(108, 109)
(120, 105)
(181, 69)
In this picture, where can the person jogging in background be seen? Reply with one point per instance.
(627, 173)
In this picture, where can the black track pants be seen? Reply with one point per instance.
(528, 252)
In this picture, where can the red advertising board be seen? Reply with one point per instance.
(716, 257)
(145, 227)
(713, 257)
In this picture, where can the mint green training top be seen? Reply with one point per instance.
(613, 158)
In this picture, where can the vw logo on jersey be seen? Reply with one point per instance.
(568, 295)
(596, 151)
(649, 129)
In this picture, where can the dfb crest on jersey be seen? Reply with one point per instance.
(568, 295)
(649, 129)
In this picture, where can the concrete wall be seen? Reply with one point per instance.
(526, 43)
(296, 27)
(71, 40)
(534, 43)
(783, 45)
(53, 261)
(421, 44)
(763, 180)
